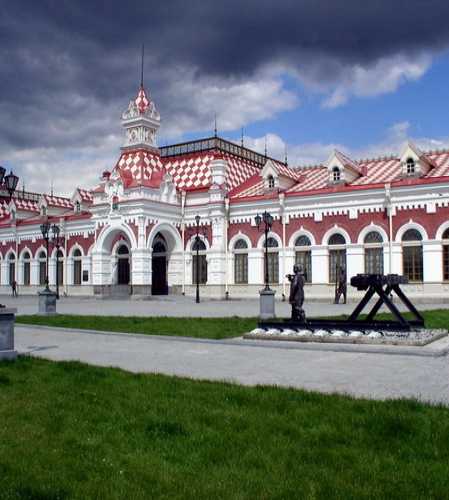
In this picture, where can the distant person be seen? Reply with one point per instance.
(341, 286)
(14, 288)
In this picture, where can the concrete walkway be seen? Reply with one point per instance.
(175, 305)
(371, 375)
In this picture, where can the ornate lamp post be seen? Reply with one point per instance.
(267, 219)
(45, 229)
(57, 241)
(197, 244)
(10, 182)
(267, 294)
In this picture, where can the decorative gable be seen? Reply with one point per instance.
(278, 176)
(414, 163)
(341, 169)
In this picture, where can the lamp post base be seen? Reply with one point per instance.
(7, 318)
(47, 302)
(267, 309)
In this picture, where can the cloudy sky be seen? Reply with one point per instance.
(310, 75)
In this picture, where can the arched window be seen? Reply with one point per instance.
(374, 254)
(26, 268)
(199, 262)
(42, 267)
(445, 238)
(159, 247)
(337, 255)
(12, 268)
(59, 275)
(412, 255)
(336, 174)
(411, 166)
(303, 256)
(77, 266)
(271, 183)
(273, 260)
(240, 262)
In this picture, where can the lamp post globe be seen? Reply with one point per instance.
(11, 181)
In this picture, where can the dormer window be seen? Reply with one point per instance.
(336, 174)
(270, 181)
(77, 207)
(44, 211)
(410, 166)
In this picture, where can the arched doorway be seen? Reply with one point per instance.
(159, 284)
(123, 265)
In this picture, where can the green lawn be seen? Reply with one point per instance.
(68, 430)
(211, 328)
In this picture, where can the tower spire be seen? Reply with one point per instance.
(141, 66)
(242, 138)
(265, 146)
(286, 157)
(215, 124)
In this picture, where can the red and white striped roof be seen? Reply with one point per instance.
(26, 205)
(85, 195)
(376, 171)
(142, 101)
(58, 201)
(137, 167)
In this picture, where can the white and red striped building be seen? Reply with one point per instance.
(135, 231)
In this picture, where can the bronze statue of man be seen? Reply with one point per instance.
(296, 298)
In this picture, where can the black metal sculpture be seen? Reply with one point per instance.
(296, 299)
(375, 284)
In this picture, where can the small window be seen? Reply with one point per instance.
(337, 239)
(373, 237)
(272, 242)
(240, 245)
(411, 166)
(77, 207)
(198, 245)
(271, 183)
(302, 241)
(336, 175)
(412, 235)
(77, 253)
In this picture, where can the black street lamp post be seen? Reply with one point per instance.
(45, 229)
(57, 242)
(197, 244)
(9, 182)
(267, 219)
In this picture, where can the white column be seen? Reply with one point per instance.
(101, 268)
(320, 264)
(141, 266)
(34, 270)
(354, 261)
(175, 268)
(396, 257)
(69, 271)
(289, 261)
(255, 266)
(216, 258)
(433, 261)
(4, 272)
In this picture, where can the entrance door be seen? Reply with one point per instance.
(159, 275)
(123, 266)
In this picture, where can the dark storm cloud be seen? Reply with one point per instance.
(65, 66)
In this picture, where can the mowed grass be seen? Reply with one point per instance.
(211, 328)
(68, 430)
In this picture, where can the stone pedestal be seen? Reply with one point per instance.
(7, 316)
(47, 302)
(267, 304)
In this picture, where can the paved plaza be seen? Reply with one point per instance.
(249, 362)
